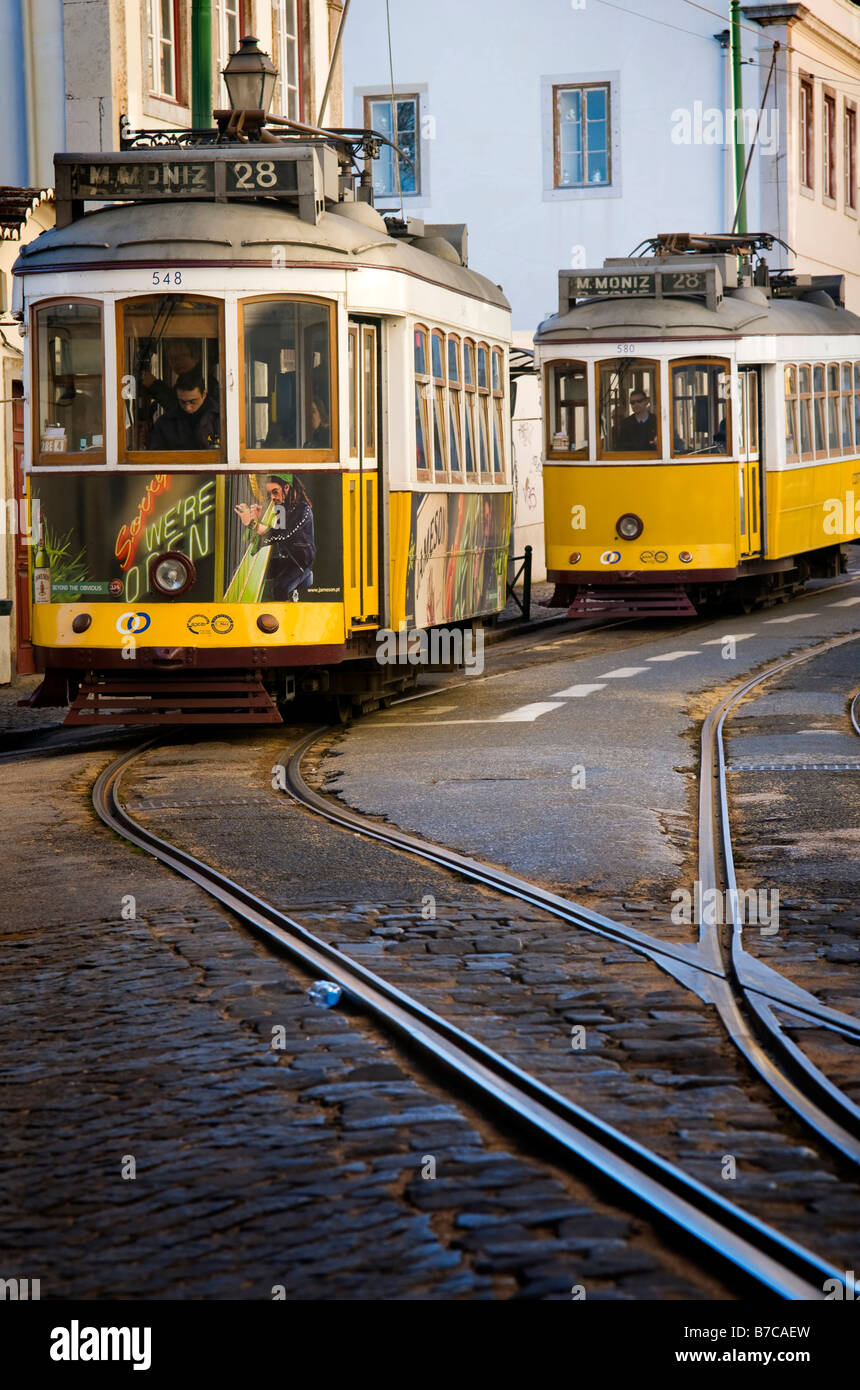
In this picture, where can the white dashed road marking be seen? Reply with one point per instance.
(672, 656)
(573, 690)
(622, 672)
(795, 618)
(843, 603)
(526, 713)
(729, 637)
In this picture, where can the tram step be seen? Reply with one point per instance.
(110, 700)
(623, 601)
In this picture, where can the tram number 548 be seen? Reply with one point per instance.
(167, 277)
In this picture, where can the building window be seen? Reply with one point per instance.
(581, 136)
(229, 26)
(850, 156)
(807, 133)
(164, 47)
(829, 148)
(286, 55)
(377, 116)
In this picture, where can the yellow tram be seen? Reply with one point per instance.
(265, 427)
(702, 429)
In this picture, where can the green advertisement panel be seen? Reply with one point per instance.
(251, 537)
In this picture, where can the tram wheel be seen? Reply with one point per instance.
(340, 707)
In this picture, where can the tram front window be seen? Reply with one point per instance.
(700, 413)
(628, 410)
(287, 376)
(71, 380)
(172, 352)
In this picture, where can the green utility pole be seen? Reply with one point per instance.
(201, 63)
(737, 110)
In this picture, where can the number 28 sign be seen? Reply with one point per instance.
(260, 176)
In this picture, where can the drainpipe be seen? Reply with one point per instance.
(737, 108)
(201, 64)
(727, 192)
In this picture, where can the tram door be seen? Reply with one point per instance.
(749, 465)
(362, 500)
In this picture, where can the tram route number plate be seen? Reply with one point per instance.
(642, 283)
(166, 178)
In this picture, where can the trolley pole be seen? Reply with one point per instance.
(740, 223)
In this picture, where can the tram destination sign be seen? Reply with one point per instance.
(633, 283)
(298, 174)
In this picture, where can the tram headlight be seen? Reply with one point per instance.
(629, 526)
(171, 574)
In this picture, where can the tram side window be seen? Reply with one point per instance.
(791, 442)
(440, 441)
(422, 404)
(287, 376)
(171, 350)
(847, 410)
(857, 403)
(700, 414)
(567, 414)
(71, 381)
(804, 409)
(818, 403)
(833, 431)
(469, 393)
(498, 416)
(455, 412)
(483, 411)
(628, 407)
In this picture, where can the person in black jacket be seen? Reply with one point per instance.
(638, 433)
(193, 423)
(291, 537)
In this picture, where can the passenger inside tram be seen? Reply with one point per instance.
(172, 351)
(287, 384)
(638, 432)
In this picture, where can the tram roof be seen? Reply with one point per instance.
(233, 234)
(742, 313)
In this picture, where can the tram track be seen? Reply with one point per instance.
(745, 997)
(759, 1252)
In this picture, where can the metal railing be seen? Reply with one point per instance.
(525, 570)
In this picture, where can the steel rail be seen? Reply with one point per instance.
(687, 963)
(802, 1085)
(855, 713)
(762, 1254)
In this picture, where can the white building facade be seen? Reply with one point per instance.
(567, 131)
(71, 69)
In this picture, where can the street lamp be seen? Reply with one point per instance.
(250, 76)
